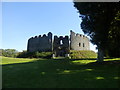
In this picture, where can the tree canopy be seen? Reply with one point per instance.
(100, 21)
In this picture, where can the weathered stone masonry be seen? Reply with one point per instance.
(60, 46)
(40, 43)
(78, 41)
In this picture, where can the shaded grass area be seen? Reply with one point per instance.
(62, 73)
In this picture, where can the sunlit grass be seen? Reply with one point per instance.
(9, 60)
(89, 69)
(42, 73)
(111, 59)
(116, 77)
(99, 77)
(74, 71)
(83, 61)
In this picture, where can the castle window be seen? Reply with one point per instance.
(79, 44)
(83, 45)
(61, 42)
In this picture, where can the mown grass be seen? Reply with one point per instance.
(82, 54)
(9, 60)
(60, 73)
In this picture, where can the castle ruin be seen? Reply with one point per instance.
(40, 43)
(60, 46)
(78, 42)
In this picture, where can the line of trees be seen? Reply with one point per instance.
(8, 52)
(24, 54)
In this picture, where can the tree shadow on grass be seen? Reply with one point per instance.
(61, 74)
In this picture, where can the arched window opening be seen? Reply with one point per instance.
(61, 42)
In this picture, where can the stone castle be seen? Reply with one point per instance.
(60, 46)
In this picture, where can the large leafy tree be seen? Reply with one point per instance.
(114, 37)
(97, 18)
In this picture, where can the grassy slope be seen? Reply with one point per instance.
(82, 54)
(60, 73)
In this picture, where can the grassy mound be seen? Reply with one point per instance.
(82, 54)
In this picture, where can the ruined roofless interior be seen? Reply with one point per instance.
(59, 45)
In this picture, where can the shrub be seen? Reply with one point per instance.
(26, 54)
(43, 54)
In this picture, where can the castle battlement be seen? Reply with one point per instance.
(42, 36)
(46, 43)
(78, 41)
(40, 43)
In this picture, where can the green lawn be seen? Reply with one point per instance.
(48, 73)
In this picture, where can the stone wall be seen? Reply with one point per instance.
(78, 41)
(40, 43)
(61, 46)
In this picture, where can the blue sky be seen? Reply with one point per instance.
(22, 20)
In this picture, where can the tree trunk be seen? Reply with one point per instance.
(100, 56)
